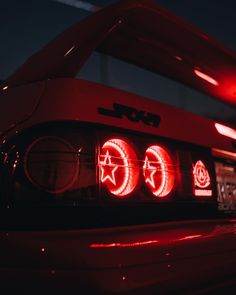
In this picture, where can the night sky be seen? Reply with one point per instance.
(27, 25)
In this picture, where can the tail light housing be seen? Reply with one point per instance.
(88, 164)
(105, 172)
(52, 164)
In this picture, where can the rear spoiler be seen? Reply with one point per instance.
(145, 34)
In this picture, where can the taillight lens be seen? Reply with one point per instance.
(119, 171)
(158, 171)
(52, 164)
(86, 166)
(202, 180)
(102, 177)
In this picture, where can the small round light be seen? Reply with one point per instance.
(119, 171)
(52, 164)
(158, 171)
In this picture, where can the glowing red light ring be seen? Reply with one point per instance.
(167, 176)
(126, 169)
(201, 175)
(127, 156)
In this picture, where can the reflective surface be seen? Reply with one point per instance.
(170, 257)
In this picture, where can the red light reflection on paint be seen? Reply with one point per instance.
(191, 237)
(124, 245)
(226, 131)
(206, 77)
(118, 167)
(158, 171)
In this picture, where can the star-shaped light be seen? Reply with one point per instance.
(148, 169)
(108, 169)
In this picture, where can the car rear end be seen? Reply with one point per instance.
(108, 192)
(87, 206)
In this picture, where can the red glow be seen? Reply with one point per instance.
(203, 192)
(158, 171)
(226, 131)
(118, 167)
(201, 175)
(201, 180)
(206, 77)
(190, 237)
(108, 169)
(224, 154)
(149, 172)
(124, 245)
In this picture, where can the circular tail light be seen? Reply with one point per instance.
(119, 172)
(158, 171)
(52, 164)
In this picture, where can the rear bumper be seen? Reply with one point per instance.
(188, 256)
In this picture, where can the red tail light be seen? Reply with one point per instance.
(131, 171)
(119, 172)
(104, 177)
(158, 171)
(202, 179)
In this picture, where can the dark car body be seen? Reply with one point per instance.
(80, 238)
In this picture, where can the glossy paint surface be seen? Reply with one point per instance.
(18, 104)
(65, 96)
(162, 258)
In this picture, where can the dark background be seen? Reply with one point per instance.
(27, 25)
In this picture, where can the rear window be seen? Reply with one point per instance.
(115, 73)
